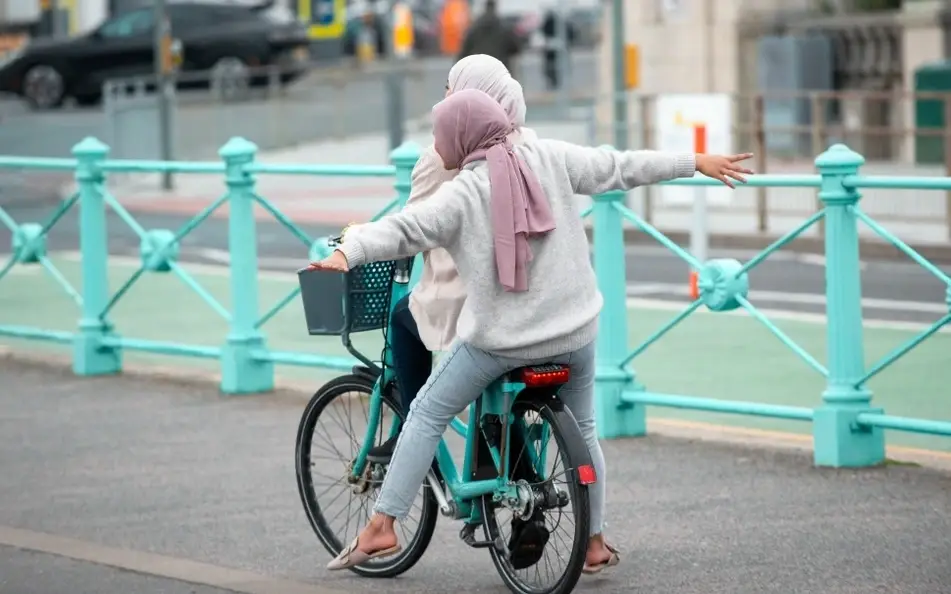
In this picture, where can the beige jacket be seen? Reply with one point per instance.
(438, 297)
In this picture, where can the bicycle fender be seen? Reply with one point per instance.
(575, 444)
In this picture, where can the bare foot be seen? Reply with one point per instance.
(598, 552)
(378, 535)
(376, 540)
(600, 555)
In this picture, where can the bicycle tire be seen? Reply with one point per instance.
(414, 549)
(578, 494)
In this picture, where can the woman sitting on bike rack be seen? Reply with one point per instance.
(511, 225)
(424, 322)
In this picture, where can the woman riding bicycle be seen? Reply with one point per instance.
(511, 225)
(424, 322)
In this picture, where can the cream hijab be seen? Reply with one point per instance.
(485, 73)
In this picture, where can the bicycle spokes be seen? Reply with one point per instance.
(346, 499)
(539, 530)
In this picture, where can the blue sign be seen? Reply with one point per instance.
(325, 19)
(323, 12)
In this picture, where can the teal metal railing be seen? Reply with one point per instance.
(847, 429)
(246, 361)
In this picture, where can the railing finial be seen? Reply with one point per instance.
(839, 157)
(238, 147)
(91, 147)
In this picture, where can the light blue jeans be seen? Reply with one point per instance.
(459, 378)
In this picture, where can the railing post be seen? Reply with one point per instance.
(615, 417)
(838, 439)
(90, 355)
(404, 158)
(241, 373)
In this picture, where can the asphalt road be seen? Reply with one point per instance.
(158, 477)
(322, 106)
(892, 290)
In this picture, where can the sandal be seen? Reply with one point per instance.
(352, 556)
(613, 560)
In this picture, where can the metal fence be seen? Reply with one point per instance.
(783, 130)
(847, 426)
(326, 105)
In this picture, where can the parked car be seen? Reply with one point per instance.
(221, 38)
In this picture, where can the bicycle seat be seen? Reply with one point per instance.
(541, 376)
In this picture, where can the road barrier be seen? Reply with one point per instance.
(847, 428)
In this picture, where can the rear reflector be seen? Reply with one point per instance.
(587, 475)
(547, 375)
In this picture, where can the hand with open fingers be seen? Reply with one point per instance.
(335, 262)
(724, 167)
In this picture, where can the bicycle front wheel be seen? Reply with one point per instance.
(332, 430)
(553, 509)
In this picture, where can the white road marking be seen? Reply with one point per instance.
(635, 289)
(28, 270)
(224, 257)
(215, 255)
(741, 255)
(174, 568)
(779, 314)
(633, 300)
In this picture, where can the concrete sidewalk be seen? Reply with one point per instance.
(182, 487)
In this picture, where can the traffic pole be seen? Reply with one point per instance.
(164, 86)
(619, 88)
(699, 237)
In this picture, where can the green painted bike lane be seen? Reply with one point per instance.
(714, 355)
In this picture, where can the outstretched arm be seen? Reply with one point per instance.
(417, 228)
(597, 170)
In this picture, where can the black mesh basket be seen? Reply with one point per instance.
(339, 303)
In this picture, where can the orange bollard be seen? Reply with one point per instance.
(700, 138)
(694, 288)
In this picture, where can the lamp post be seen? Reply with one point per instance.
(163, 85)
(619, 86)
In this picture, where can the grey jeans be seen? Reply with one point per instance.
(459, 378)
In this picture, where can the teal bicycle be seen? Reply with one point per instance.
(525, 470)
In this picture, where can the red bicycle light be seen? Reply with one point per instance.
(587, 475)
(544, 376)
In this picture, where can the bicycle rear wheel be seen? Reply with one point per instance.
(330, 435)
(559, 503)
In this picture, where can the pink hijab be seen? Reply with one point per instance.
(470, 126)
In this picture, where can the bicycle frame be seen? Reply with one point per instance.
(495, 401)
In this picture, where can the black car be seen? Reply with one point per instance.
(232, 39)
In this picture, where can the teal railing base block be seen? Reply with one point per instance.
(91, 357)
(241, 373)
(617, 418)
(839, 441)
(627, 420)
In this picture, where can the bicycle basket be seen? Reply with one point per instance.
(337, 303)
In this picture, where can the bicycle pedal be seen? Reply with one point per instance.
(467, 535)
